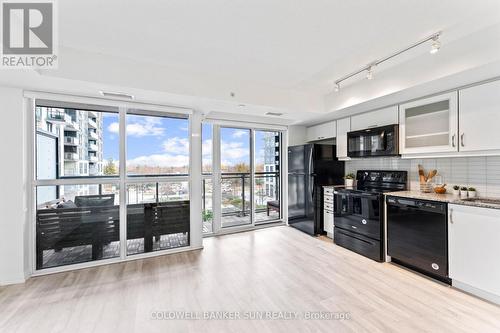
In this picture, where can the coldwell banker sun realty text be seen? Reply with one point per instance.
(29, 34)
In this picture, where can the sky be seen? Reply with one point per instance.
(161, 141)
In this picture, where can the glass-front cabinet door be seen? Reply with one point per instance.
(429, 125)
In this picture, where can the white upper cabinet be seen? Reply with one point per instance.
(343, 126)
(479, 117)
(321, 132)
(429, 125)
(382, 117)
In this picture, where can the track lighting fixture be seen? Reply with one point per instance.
(369, 73)
(436, 45)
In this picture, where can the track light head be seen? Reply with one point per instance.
(436, 45)
(369, 73)
(336, 87)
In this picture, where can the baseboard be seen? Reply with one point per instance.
(476, 292)
(10, 282)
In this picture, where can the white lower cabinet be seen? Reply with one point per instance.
(328, 223)
(328, 205)
(474, 250)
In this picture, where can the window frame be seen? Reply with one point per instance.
(121, 180)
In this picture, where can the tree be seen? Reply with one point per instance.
(110, 168)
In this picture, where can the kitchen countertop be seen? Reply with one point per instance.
(449, 198)
(334, 186)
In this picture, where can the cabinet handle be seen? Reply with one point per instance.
(453, 140)
(372, 126)
(451, 215)
(462, 140)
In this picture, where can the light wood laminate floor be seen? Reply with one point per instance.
(273, 269)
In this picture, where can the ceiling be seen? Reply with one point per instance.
(273, 53)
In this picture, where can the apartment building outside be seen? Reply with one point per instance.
(69, 144)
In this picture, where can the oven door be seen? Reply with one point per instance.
(380, 141)
(359, 213)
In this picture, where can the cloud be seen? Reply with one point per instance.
(233, 151)
(240, 133)
(114, 127)
(139, 127)
(206, 147)
(176, 145)
(157, 160)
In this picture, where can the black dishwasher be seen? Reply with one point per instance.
(417, 235)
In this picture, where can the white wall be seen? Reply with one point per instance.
(13, 202)
(483, 173)
(296, 135)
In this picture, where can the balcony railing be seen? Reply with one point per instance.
(93, 147)
(92, 123)
(235, 188)
(93, 135)
(71, 156)
(71, 141)
(58, 116)
(93, 159)
(71, 125)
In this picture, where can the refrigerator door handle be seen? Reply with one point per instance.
(311, 161)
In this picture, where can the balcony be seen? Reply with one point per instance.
(71, 157)
(93, 159)
(92, 124)
(71, 141)
(93, 135)
(93, 147)
(93, 114)
(71, 125)
(58, 117)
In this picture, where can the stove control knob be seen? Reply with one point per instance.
(363, 221)
(435, 266)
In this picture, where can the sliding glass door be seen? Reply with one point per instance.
(235, 177)
(267, 179)
(242, 180)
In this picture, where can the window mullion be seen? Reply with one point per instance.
(123, 191)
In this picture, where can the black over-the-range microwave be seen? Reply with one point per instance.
(372, 142)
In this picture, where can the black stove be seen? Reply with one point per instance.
(359, 212)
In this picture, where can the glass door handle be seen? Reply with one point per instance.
(453, 140)
(462, 140)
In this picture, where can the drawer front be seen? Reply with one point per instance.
(365, 246)
(328, 222)
(328, 199)
(328, 207)
(328, 191)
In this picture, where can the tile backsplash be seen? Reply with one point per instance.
(483, 173)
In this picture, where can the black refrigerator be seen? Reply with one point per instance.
(310, 167)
